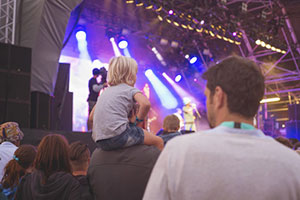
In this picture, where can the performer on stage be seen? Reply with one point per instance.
(188, 114)
(94, 88)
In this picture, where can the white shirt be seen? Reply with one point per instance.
(7, 150)
(225, 163)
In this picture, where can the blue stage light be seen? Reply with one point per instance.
(81, 35)
(166, 98)
(178, 78)
(193, 60)
(148, 72)
(123, 44)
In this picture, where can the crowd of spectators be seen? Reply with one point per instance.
(233, 160)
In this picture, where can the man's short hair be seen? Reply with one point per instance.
(96, 71)
(79, 155)
(242, 81)
(171, 122)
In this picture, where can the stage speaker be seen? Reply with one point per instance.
(41, 108)
(293, 129)
(14, 86)
(15, 69)
(15, 58)
(269, 126)
(294, 112)
(62, 115)
(16, 112)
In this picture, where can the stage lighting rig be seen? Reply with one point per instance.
(122, 42)
(110, 33)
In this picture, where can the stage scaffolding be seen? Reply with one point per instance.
(7, 21)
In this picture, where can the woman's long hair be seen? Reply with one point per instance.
(16, 168)
(53, 155)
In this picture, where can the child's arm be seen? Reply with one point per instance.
(144, 105)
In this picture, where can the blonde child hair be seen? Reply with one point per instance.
(122, 69)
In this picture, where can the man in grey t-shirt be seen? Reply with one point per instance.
(234, 160)
(122, 173)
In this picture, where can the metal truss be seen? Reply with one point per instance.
(251, 52)
(7, 21)
(285, 82)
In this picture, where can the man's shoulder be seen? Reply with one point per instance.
(8, 147)
(133, 150)
(138, 154)
(191, 137)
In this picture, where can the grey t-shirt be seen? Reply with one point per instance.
(121, 173)
(111, 112)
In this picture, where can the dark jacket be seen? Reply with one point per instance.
(123, 173)
(59, 186)
(85, 191)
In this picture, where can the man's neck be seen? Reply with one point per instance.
(235, 118)
(79, 173)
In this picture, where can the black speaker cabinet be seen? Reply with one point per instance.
(16, 112)
(41, 108)
(294, 111)
(15, 69)
(15, 58)
(293, 129)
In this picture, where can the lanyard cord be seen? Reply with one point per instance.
(238, 125)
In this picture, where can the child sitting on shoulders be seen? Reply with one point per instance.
(111, 129)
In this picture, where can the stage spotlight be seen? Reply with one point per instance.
(187, 56)
(234, 34)
(148, 72)
(160, 18)
(193, 59)
(165, 96)
(115, 47)
(109, 32)
(164, 41)
(174, 44)
(80, 35)
(258, 42)
(179, 90)
(268, 46)
(202, 22)
(283, 52)
(171, 12)
(263, 44)
(123, 44)
(158, 56)
(178, 78)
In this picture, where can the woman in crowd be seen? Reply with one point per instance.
(52, 178)
(20, 165)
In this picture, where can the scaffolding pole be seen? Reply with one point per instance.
(7, 21)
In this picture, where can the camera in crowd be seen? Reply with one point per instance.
(103, 74)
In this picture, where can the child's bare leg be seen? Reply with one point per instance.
(150, 139)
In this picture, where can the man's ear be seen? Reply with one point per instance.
(219, 97)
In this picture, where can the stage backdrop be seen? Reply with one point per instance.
(41, 26)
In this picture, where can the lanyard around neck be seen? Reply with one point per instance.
(238, 125)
